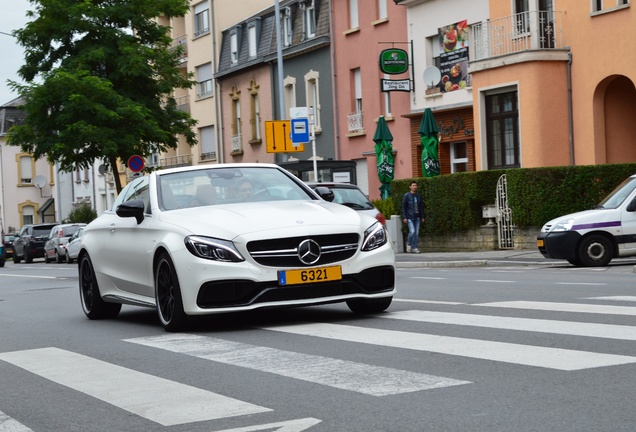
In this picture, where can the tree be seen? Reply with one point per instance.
(82, 213)
(100, 78)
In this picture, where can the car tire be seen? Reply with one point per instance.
(27, 258)
(369, 306)
(58, 258)
(92, 303)
(16, 258)
(575, 262)
(595, 251)
(46, 258)
(69, 260)
(168, 296)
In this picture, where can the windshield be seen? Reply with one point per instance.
(618, 195)
(214, 186)
(351, 197)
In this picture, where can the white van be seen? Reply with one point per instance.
(592, 238)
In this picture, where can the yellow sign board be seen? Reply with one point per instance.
(278, 137)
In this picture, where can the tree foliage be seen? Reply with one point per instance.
(100, 78)
(82, 213)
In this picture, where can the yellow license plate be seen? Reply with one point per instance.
(312, 275)
(539, 243)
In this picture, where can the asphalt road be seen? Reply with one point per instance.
(507, 348)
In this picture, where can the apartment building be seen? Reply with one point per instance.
(548, 83)
(362, 29)
(199, 33)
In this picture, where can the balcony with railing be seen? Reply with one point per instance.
(182, 41)
(183, 103)
(354, 123)
(526, 31)
(176, 161)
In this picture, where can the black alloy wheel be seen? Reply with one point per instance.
(92, 303)
(168, 296)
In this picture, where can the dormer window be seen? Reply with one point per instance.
(253, 31)
(309, 17)
(287, 27)
(234, 47)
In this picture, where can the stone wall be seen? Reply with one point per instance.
(482, 238)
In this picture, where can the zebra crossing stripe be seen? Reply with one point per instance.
(8, 424)
(564, 307)
(346, 375)
(607, 331)
(157, 399)
(553, 358)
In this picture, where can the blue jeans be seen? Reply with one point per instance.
(414, 232)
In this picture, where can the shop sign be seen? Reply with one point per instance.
(394, 61)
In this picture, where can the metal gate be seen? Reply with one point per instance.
(504, 216)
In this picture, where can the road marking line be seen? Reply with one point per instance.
(564, 307)
(607, 331)
(580, 283)
(425, 277)
(157, 399)
(8, 424)
(553, 358)
(493, 280)
(341, 374)
(426, 301)
(285, 426)
(614, 298)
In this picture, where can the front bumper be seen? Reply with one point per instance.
(212, 287)
(558, 245)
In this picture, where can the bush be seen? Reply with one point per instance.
(83, 213)
(386, 207)
(453, 203)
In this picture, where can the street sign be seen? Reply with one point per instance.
(396, 85)
(278, 137)
(135, 163)
(299, 130)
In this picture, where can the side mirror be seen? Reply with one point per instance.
(325, 193)
(132, 208)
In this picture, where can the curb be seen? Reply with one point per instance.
(472, 263)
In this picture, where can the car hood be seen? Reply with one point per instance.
(282, 218)
(589, 216)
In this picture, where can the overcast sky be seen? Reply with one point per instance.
(12, 17)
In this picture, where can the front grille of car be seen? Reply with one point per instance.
(283, 252)
(236, 293)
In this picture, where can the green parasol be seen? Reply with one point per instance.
(429, 137)
(384, 155)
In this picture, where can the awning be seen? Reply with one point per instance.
(49, 202)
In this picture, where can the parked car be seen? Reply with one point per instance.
(55, 246)
(350, 195)
(73, 245)
(592, 238)
(8, 243)
(181, 241)
(30, 242)
(3, 253)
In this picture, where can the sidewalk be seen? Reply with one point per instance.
(515, 257)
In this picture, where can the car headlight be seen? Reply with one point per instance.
(213, 249)
(563, 225)
(374, 237)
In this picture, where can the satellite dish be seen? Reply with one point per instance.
(39, 181)
(102, 169)
(432, 76)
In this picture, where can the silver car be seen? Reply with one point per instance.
(349, 195)
(55, 246)
(73, 245)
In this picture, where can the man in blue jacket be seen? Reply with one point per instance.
(412, 215)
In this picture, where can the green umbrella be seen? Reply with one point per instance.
(429, 137)
(384, 155)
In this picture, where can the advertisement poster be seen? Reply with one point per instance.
(453, 49)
